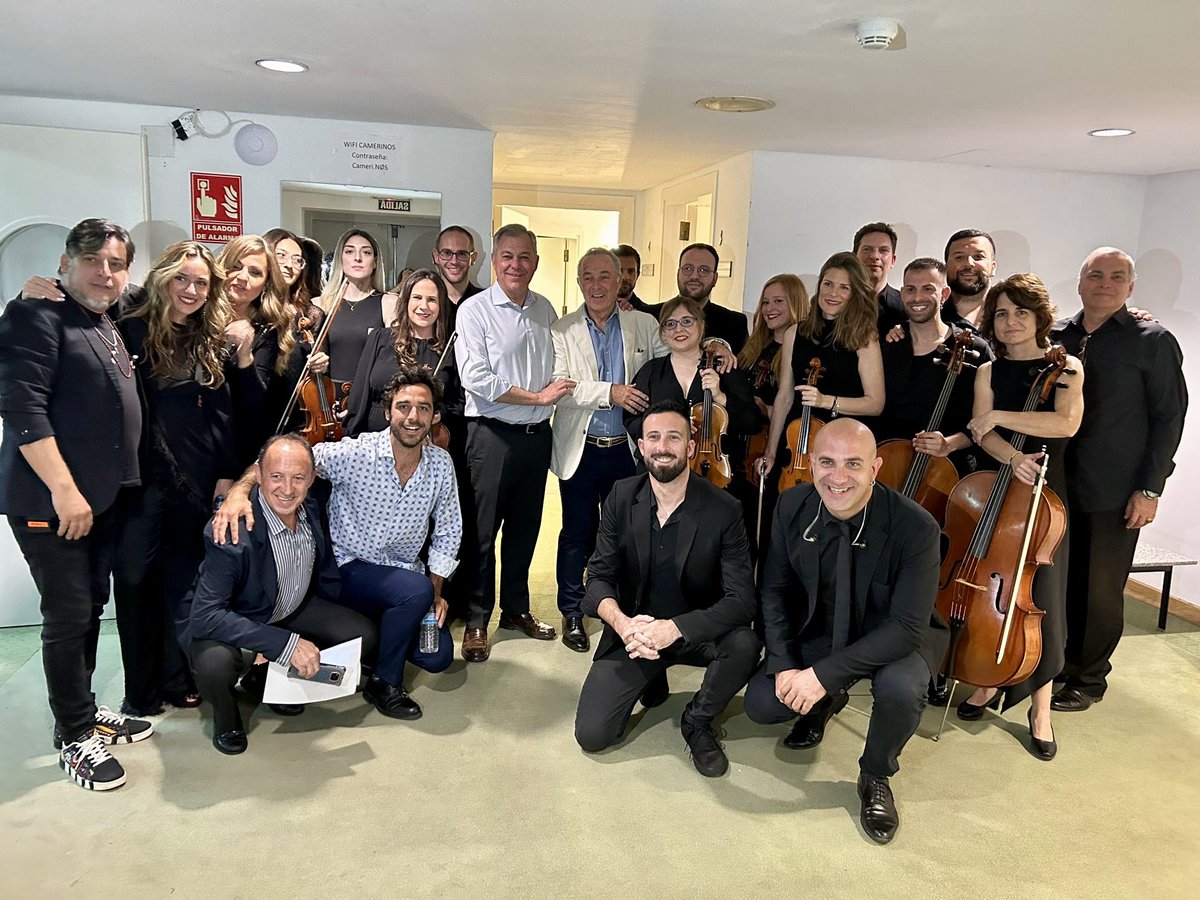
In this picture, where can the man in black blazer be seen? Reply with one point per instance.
(848, 593)
(72, 430)
(273, 593)
(695, 279)
(671, 579)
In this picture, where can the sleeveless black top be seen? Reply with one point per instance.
(840, 377)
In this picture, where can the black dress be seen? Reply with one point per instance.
(352, 325)
(656, 379)
(840, 376)
(1011, 381)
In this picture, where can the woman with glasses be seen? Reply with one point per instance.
(679, 376)
(841, 331)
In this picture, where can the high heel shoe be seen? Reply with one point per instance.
(969, 712)
(1044, 750)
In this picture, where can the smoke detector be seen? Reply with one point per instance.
(876, 34)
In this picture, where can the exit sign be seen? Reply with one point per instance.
(392, 204)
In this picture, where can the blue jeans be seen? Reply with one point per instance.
(397, 599)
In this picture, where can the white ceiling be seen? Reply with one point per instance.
(601, 94)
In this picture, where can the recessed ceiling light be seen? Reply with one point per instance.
(735, 104)
(281, 65)
(1111, 132)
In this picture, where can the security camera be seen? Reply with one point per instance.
(185, 125)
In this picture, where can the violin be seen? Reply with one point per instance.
(439, 434)
(800, 434)
(317, 393)
(1000, 531)
(756, 444)
(919, 476)
(710, 422)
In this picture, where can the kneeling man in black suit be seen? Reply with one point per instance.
(274, 593)
(671, 579)
(848, 593)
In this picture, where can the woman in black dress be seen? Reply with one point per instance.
(1017, 316)
(841, 330)
(176, 334)
(783, 303)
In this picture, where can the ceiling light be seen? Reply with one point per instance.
(281, 65)
(735, 104)
(1111, 132)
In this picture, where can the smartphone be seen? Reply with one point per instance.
(326, 673)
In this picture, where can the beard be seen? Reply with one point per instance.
(96, 306)
(968, 290)
(664, 472)
(698, 294)
(407, 438)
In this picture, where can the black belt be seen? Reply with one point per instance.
(531, 428)
(605, 442)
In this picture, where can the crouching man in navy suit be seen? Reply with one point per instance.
(274, 593)
(848, 593)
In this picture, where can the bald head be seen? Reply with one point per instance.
(844, 465)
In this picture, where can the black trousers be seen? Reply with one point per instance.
(508, 479)
(161, 547)
(218, 665)
(1101, 553)
(899, 692)
(615, 682)
(72, 578)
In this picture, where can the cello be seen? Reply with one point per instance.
(800, 433)
(999, 532)
(316, 392)
(919, 476)
(710, 421)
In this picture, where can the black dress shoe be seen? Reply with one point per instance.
(878, 813)
(390, 700)
(231, 742)
(574, 635)
(809, 730)
(938, 693)
(528, 624)
(1041, 749)
(657, 691)
(969, 712)
(707, 755)
(1071, 699)
(286, 709)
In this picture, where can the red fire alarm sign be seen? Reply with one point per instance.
(216, 207)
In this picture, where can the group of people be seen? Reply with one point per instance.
(456, 401)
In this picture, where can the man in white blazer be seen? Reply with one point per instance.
(600, 347)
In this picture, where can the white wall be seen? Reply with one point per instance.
(1168, 284)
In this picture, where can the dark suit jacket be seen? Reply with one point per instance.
(235, 590)
(895, 580)
(712, 560)
(58, 379)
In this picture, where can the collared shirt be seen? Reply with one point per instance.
(502, 345)
(374, 518)
(665, 598)
(609, 346)
(294, 552)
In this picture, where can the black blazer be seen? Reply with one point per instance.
(656, 379)
(235, 590)
(57, 379)
(895, 580)
(713, 560)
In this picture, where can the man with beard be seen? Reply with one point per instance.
(454, 254)
(72, 426)
(671, 580)
(875, 247)
(631, 269)
(970, 264)
(696, 279)
(385, 489)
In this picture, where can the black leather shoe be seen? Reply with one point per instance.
(574, 635)
(969, 712)
(1071, 699)
(657, 691)
(475, 647)
(1041, 749)
(286, 709)
(878, 813)
(390, 700)
(707, 755)
(810, 730)
(938, 693)
(528, 624)
(231, 742)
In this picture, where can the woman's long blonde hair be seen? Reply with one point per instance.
(760, 335)
(272, 307)
(334, 284)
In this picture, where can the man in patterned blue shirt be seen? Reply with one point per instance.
(386, 488)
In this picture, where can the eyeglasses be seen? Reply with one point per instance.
(683, 322)
(460, 255)
(296, 262)
(702, 271)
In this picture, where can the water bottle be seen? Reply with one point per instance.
(429, 632)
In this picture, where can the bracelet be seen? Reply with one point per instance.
(833, 409)
(1015, 454)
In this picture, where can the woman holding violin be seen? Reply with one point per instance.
(1017, 316)
(840, 332)
(683, 375)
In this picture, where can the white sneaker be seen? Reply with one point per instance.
(115, 728)
(90, 766)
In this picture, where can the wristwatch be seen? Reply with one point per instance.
(1150, 495)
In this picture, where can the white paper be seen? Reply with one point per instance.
(281, 689)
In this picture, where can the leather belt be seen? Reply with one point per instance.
(529, 428)
(606, 442)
